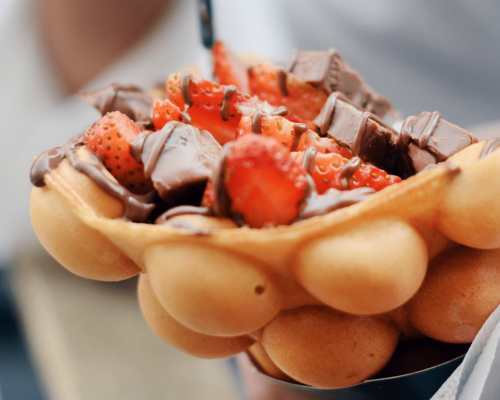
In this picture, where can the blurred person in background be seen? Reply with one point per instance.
(423, 55)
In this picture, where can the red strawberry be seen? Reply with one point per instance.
(327, 173)
(207, 109)
(228, 69)
(209, 195)
(110, 138)
(263, 181)
(285, 132)
(303, 99)
(163, 112)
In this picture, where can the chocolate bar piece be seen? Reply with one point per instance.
(327, 70)
(130, 100)
(177, 158)
(429, 139)
(362, 132)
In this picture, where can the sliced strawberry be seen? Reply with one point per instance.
(110, 138)
(328, 168)
(263, 181)
(368, 175)
(302, 99)
(163, 112)
(290, 135)
(207, 109)
(228, 69)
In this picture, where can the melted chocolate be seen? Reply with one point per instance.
(489, 147)
(222, 201)
(130, 100)
(298, 129)
(333, 200)
(348, 170)
(50, 160)
(256, 121)
(282, 78)
(137, 208)
(281, 111)
(185, 90)
(429, 129)
(137, 145)
(183, 210)
(226, 100)
(187, 226)
(158, 145)
(308, 160)
(314, 204)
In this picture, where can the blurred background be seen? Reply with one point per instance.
(423, 55)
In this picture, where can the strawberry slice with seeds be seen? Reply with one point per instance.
(211, 106)
(264, 182)
(163, 112)
(334, 171)
(269, 83)
(293, 136)
(228, 69)
(110, 137)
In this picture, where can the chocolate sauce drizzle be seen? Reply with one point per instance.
(361, 129)
(186, 96)
(256, 120)
(222, 201)
(50, 160)
(229, 91)
(298, 129)
(407, 130)
(185, 90)
(315, 204)
(136, 207)
(282, 78)
(348, 170)
(489, 147)
(429, 129)
(308, 160)
(329, 109)
(281, 111)
(159, 144)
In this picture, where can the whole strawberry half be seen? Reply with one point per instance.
(110, 137)
(264, 182)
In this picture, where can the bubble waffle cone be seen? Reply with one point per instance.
(327, 298)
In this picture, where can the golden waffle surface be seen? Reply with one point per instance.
(324, 301)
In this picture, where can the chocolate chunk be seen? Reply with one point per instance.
(327, 70)
(429, 139)
(130, 100)
(366, 135)
(178, 157)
